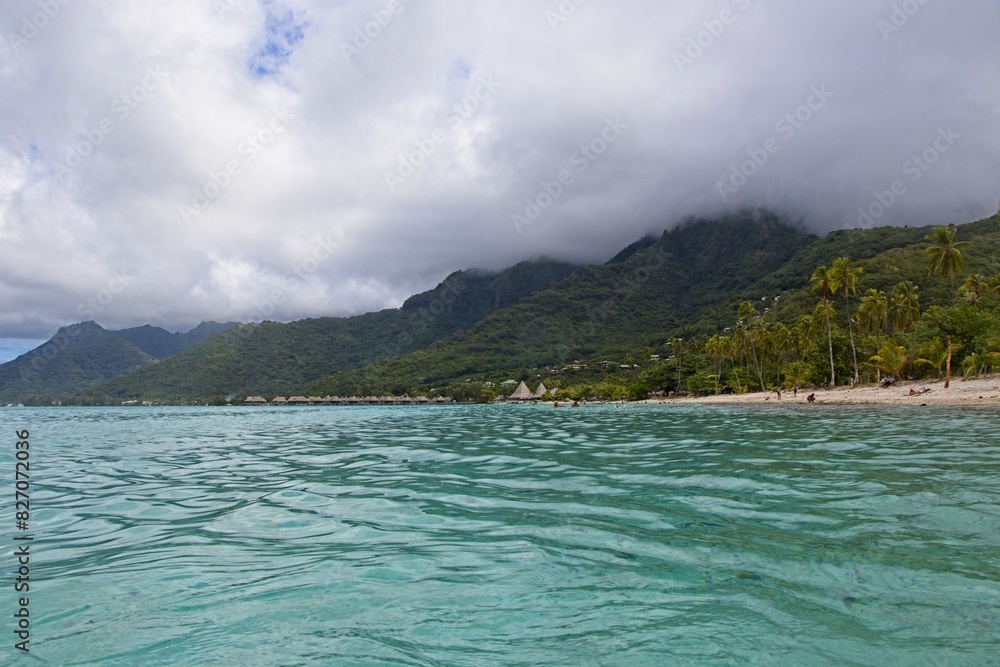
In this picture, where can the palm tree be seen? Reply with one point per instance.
(945, 253)
(739, 346)
(781, 342)
(716, 348)
(904, 306)
(972, 365)
(872, 313)
(824, 282)
(974, 289)
(676, 346)
(891, 359)
(730, 351)
(806, 329)
(978, 362)
(764, 344)
(748, 312)
(934, 354)
(796, 374)
(845, 279)
(825, 312)
(995, 284)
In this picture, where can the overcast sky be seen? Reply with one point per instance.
(169, 162)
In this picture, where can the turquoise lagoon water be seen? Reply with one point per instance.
(647, 535)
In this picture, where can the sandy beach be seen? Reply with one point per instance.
(983, 390)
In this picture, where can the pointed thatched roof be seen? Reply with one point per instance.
(541, 391)
(522, 393)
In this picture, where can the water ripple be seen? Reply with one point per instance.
(651, 535)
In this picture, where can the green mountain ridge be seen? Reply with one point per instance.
(83, 355)
(77, 357)
(160, 343)
(272, 357)
(638, 299)
(538, 316)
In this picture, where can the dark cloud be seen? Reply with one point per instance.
(171, 162)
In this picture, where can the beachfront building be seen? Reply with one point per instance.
(352, 400)
(522, 393)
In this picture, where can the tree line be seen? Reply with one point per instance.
(845, 338)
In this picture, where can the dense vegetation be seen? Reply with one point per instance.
(83, 355)
(75, 358)
(900, 314)
(735, 305)
(639, 299)
(273, 358)
(160, 343)
(739, 304)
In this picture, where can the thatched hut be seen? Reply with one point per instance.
(522, 393)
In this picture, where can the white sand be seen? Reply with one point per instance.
(983, 390)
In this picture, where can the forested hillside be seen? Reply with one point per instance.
(732, 305)
(272, 357)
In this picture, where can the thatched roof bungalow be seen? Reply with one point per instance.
(522, 393)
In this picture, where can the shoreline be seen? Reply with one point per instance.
(982, 390)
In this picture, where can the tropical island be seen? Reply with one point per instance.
(914, 312)
(742, 306)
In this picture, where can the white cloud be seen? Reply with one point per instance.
(289, 141)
